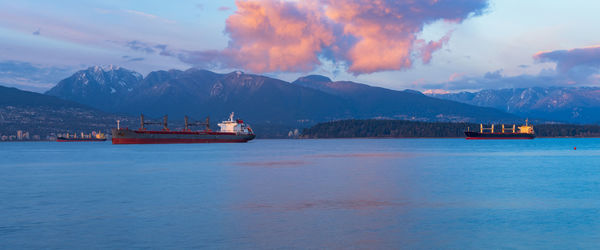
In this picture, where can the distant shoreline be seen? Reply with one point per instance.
(411, 129)
(539, 137)
(335, 138)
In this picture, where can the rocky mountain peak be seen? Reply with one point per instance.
(108, 75)
(97, 84)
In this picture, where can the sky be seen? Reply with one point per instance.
(435, 46)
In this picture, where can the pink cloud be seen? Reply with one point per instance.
(269, 36)
(455, 76)
(367, 36)
(427, 49)
(436, 92)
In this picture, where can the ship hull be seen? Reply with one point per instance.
(498, 136)
(63, 139)
(126, 136)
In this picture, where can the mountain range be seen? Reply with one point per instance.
(97, 96)
(258, 99)
(562, 104)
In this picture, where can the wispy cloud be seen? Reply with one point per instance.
(578, 64)
(427, 48)
(455, 76)
(148, 16)
(140, 46)
(136, 59)
(495, 80)
(27, 76)
(574, 67)
(146, 47)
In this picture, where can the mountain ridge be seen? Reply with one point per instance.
(565, 104)
(264, 99)
(386, 101)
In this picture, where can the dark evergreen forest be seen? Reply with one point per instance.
(410, 129)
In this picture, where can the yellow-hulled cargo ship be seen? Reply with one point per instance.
(94, 137)
(522, 132)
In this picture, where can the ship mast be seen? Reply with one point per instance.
(165, 122)
(186, 122)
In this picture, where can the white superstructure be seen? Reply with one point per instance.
(234, 126)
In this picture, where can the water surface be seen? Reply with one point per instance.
(346, 193)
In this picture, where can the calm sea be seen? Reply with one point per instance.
(363, 193)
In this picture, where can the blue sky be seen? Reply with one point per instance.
(60, 37)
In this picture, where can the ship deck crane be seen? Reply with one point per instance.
(143, 122)
(188, 124)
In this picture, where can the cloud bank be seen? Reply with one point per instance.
(579, 64)
(31, 77)
(574, 67)
(366, 36)
(568, 59)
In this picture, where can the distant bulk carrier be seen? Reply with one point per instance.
(230, 131)
(99, 137)
(522, 132)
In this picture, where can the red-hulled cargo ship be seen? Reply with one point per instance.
(230, 131)
(523, 132)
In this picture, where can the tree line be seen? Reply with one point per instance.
(413, 129)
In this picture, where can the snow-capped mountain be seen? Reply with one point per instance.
(573, 105)
(97, 86)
